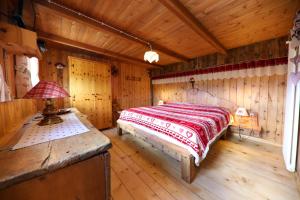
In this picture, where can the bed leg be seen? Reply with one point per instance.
(188, 168)
(119, 130)
(224, 136)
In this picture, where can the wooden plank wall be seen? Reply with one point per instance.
(14, 113)
(263, 95)
(130, 85)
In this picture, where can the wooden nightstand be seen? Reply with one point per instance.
(246, 125)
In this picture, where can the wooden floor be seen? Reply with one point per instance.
(232, 170)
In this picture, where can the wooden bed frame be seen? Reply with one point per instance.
(188, 167)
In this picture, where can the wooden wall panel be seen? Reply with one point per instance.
(9, 72)
(263, 104)
(264, 96)
(13, 115)
(130, 87)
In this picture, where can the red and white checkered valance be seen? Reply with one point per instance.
(269, 67)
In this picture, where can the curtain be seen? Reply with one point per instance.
(27, 74)
(4, 90)
(242, 70)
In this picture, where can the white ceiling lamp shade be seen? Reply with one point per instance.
(151, 56)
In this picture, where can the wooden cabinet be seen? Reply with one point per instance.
(90, 182)
(90, 90)
(70, 168)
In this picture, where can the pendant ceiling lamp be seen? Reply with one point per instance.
(151, 55)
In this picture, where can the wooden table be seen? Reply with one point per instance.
(76, 167)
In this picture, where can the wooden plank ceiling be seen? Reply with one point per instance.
(174, 31)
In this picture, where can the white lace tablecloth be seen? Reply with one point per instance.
(35, 134)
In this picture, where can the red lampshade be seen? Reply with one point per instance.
(46, 90)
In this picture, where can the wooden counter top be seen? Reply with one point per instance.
(26, 163)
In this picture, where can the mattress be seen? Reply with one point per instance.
(191, 126)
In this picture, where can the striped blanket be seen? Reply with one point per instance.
(193, 127)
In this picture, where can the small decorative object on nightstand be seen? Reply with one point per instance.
(240, 113)
(160, 102)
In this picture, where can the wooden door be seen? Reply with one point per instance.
(86, 90)
(103, 100)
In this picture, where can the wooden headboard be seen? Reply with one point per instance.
(202, 97)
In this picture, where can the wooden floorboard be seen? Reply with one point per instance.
(232, 170)
(118, 188)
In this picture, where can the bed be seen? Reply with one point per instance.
(184, 131)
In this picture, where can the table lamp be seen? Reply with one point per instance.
(241, 112)
(161, 102)
(47, 90)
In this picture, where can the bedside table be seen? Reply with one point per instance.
(247, 125)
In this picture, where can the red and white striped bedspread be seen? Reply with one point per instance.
(193, 127)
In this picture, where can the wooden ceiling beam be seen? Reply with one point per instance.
(90, 48)
(110, 29)
(178, 9)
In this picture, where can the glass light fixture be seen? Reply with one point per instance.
(151, 55)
